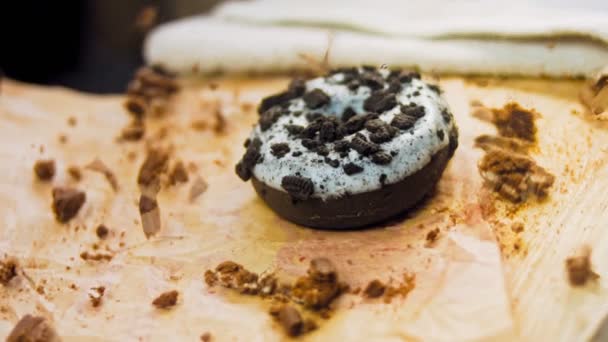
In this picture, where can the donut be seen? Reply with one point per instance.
(350, 149)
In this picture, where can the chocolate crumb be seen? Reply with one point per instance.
(72, 121)
(413, 110)
(380, 101)
(403, 121)
(178, 174)
(374, 289)
(134, 131)
(96, 295)
(95, 256)
(347, 114)
(166, 300)
(294, 130)
(320, 287)
(66, 203)
(150, 171)
(33, 328)
(352, 168)
(300, 188)
(8, 270)
(98, 166)
(252, 156)
(206, 337)
(516, 122)
(432, 236)
(360, 144)
(279, 150)
(45, 169)
(579, 268)
(136, 106)
(75, 173)
(315, 98)
(102, 231)
(381, 158)
(150, 215)
(290, 320)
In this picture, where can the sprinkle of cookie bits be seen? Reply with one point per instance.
(45, 169)
(8, 270)
(166, 300)
(579, 268)
(66, 203)
(32, 328)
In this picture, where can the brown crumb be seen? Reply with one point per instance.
(150, 171)
(178, 174)
(517, 227)
(199, 125)
(199, 186)
(320, 287)
(72, 121)
(95, 256)
(75, 173)
(102, 231)
(35, 329)
(96, 295)
(515, 176)
(45, 169)
(136, 106)
(579, 268)
(402, 289)
(491, 142)
(40, 289)
(67, 202)
(220, 122)
(134, 131)
(594, 94)
(290, 319)
(374, 289)
(150, 215)
(432, 236)
(8, 270)
(206, 337)
(516, 122)
(166, 300)
(63, 139)
(98, 166)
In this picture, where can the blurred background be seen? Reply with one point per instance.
(95, 45)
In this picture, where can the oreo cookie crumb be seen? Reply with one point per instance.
(294, 130)
(416, 93)
(435, 88)
(277, 100)
(327, 132)
(380, 101)
(440, 134)
(356, 123)
(297, 87)
(352, 168)
(360, 144)
(279, 150)
(269, 117)
(395, 86)
(66, 203)
(447, 117)
(381, 158)
(403, 121)
(296, 153)
(372, 79)
(322, 150)
(251, 157)
(102, 231)
(384, 134)
(341, 146)
(332, 162)
(347, 114)
(166, 300)
(382, 179)
(300, 188)
(310, 144)
(45, 169)
(413, 110)
(316, 98)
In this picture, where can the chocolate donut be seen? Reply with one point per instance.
(350, 149)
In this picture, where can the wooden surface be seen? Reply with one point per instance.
(472, 284)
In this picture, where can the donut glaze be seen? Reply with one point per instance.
(383, 128)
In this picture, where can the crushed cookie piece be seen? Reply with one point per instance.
(320, 287)
(380, 101)
(67, 202)
(150, 215)
(316, 98)
(290, 319)
(300, 188)
(95, 256)
(166, 300)
(8, 270)
(402, 289)
(579, 268)
(352, 168)
(199, 186)
(279, 150)
(489, 142)
(45, 169)
(75, 173)
(136, 106)
(96, 295)
(98, 166)
(149, 174)
(102, 231)
(514, 176)
(374, 289)
(431, 237)
(134, 131)
(516, 122)
(360, 144)
(252, 156)
(210, 278)
(403, 121)
(33, 328)
(178, 174)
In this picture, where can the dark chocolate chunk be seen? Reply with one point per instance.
(166, 300)
(66, 203)
(279, 150)
(102, 231)
(294, 130)
(351, 169)
(360, 144)
(310, 144)
(316, 98)
(297, 87)
(381, 158)
(45, 169)
(374, 289)
(341, 146)
(347, 114)
(380, 101)
(383, 134)
(413, 110)
(403, 121)
(332, 162)
(327, 132)
(435, 88)
(440, 134)
(300, 188)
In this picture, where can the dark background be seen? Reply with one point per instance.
(91, 45)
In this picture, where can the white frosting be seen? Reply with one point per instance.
(414, 146)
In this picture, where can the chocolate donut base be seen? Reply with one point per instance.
(359, 210)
